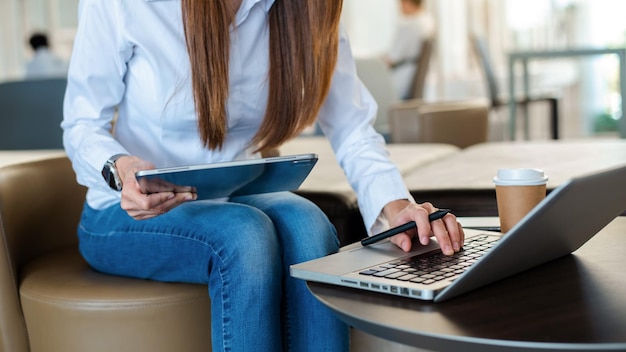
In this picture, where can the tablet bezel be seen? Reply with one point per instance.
(234, 178)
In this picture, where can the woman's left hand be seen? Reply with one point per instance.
(447, 230)
(155, 198)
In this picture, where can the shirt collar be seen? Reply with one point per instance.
(247, 5)
(244, 9)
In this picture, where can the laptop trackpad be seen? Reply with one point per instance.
(356, 257)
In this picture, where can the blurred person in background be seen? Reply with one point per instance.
(44, 63)
(413, 26)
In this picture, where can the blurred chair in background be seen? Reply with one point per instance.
(418, 83)
(376, 76)
(461, 123)
(31, 112)
(498, 100)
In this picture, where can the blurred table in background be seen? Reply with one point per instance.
(463, 181)
(525, 56)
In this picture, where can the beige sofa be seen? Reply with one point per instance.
(52, 301)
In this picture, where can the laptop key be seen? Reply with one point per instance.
(386, 272)
(395, 275)
(368, 272)
(407, 277)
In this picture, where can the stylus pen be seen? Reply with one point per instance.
(405, 227)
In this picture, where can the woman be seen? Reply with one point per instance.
(198, 81)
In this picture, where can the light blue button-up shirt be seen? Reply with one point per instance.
(131, 54)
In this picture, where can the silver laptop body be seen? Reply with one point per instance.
(567, 218)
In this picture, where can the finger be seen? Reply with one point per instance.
(145, 202)
(164, 186)
(142, 215)
(148, 186)
(157, 185)
(443, 236)
(140, 212)
(403, 241)
(424, 228)
(455, 232)
(164, 204)
(182, 197)
(462, 237)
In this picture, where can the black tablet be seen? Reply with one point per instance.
(235, 178)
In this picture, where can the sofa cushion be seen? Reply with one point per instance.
(70, 307)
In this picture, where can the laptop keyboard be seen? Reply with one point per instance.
(428, 268)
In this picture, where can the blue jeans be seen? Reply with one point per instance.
(242, 249)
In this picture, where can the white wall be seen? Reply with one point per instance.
(370, 25)
(11, 57)
(19, 18)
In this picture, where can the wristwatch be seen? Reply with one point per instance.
(110, 174)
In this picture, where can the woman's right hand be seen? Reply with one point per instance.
(160, 199)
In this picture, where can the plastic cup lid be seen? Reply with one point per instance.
(520, 177)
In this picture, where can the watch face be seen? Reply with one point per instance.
(111, 181)
(109, 173)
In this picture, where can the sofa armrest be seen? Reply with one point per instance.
(40, 206)
(461, 123)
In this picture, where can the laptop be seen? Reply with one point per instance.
(567, 218)
(234, 178)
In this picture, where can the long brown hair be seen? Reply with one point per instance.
(303, 43)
